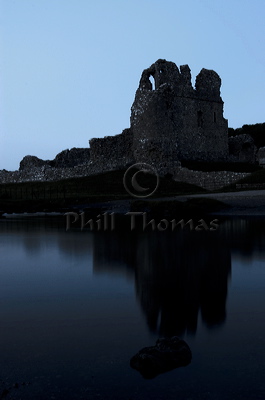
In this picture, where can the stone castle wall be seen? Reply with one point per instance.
(170, 122)
(242, 149)
(177, 121)
(48, 173)
(209, 180)
(114, 151)
(65, 159)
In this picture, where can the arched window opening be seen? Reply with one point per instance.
(152, 80)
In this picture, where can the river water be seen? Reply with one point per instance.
(77, 305)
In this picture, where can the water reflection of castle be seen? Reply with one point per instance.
(176, 276)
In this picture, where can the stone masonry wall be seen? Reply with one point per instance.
(112, 151)
(109, 153)
(65, 159)
(48, 173)
(175, 121)
(242, 149)
(208, 180)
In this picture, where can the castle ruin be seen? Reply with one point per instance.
(170, 121)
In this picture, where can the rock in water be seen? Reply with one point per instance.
(166, 355)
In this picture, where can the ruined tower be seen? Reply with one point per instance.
(171, 121)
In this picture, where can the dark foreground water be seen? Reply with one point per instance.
(76, 306)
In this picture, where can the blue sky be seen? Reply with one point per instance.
(69, 69)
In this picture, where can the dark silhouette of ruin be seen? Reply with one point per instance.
(173, 283)
(171, 123)
(178, 276)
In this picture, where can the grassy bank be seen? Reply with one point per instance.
(69, 193)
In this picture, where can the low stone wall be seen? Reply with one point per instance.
(65, 159)
(249, 186)
(47, 173)
(208, 180)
